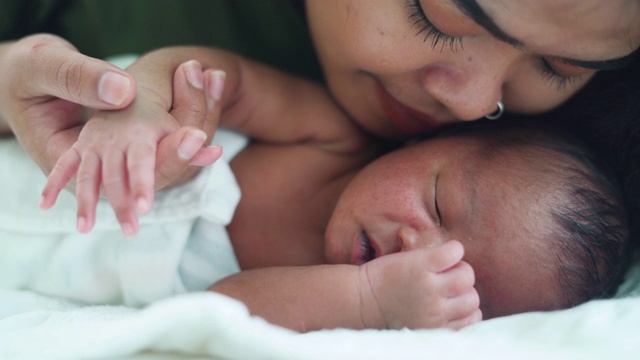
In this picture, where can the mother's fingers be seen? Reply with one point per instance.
(189, 102)
(175, 153)
(193, 111)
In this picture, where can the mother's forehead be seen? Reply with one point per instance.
(580, 29)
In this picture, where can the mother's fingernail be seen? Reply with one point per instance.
(191, 143)
(113, 88)
(193, 71)
(216, 84)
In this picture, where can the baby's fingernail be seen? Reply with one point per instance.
(143, 205)
(82, 223)
(191, 143)
(113, 88)
(216, 85)
(193, 70)
(127, 229)
(42, 203)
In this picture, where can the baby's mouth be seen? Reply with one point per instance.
(367, 251)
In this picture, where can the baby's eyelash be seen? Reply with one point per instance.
(435, 201)
(560, 81)
(419, 19)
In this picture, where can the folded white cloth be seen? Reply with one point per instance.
(182, 244)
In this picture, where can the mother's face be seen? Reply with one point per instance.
(405, 67)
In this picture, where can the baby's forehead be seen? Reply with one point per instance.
(511, 245)
(518, 274)
(530, 162)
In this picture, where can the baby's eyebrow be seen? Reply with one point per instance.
(473, 11)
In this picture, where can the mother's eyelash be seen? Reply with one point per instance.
(419, 19)
(554, 78)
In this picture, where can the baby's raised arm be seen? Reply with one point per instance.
(257, 100)
(116, 149)
(426, 288)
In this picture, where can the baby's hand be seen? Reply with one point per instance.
(423, 288)
(131, 152)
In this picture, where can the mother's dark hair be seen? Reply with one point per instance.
(606, 115)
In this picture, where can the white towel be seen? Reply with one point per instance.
(182, 244)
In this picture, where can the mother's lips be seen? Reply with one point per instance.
(408, 120)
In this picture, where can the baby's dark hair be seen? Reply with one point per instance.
(591, 232)
(606, 115)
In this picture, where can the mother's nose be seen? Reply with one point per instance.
(470, 85)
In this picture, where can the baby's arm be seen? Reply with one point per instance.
(427, 288)
(257, 100)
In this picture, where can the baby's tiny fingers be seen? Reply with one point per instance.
(457, 280)
(59, 177)
(444, 256)
(462, 306)
(88, 191)
(141, 163)
(458, 324)
(117, 190)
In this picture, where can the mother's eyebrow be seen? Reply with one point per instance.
(472, 10)
(477, 14)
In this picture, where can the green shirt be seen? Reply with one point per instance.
(271, 31)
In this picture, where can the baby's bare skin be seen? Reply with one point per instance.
(392, 291)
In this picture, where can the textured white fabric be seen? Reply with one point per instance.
(182, 244)
(212, 326)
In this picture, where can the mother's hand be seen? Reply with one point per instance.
(46, 85)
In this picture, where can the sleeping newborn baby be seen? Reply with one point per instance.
(484, 220)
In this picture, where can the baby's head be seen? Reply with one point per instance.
(588, 231)
(541, 221)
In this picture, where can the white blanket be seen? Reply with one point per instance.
(208, 325)
(182, 244)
